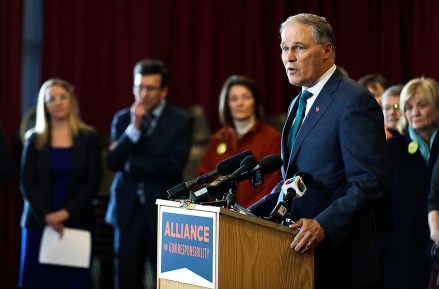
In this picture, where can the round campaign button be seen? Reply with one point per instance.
(413, 147)
(221, 148)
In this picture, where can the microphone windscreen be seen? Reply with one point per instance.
(271, 163)
(232, 163)
(296, 183)
(248, 163)
(179, 191)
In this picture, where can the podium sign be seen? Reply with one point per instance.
(187, 242)
(206, 247)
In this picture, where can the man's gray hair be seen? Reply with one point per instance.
(321, 30)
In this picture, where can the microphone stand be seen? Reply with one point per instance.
(287, 221)
(231, 201)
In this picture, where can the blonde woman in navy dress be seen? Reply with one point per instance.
(60, 175)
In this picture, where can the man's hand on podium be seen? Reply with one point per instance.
(309, 236)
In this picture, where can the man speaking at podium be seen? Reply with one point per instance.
(334, 136)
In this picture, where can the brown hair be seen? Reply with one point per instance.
(224, 110)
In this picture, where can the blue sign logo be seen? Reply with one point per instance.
(187, 242)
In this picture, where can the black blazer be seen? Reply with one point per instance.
(156, 160)
(35, 182)
(404, 230)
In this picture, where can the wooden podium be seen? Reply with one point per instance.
(247, 252)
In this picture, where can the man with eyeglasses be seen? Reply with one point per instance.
(392, 113)
(149, 147)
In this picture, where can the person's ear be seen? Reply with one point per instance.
(164, 92)
(327, 48)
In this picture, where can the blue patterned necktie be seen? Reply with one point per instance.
(147, 123)
(299, 117)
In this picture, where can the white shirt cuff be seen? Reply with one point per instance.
(133, 133)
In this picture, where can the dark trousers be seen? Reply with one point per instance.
(371, 286)
(133, 246)
(434, 277)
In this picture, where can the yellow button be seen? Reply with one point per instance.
(221, 148)
(413, 147)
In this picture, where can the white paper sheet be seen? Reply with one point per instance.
(72, 249)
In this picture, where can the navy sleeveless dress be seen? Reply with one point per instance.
(32, 273)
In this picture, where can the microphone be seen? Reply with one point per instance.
(267, 165)
(248, 163)
(224, 167)
(232, 163)
(201, 179)
(181, 190)
(292, 188)
(294, 185)
(224, 183)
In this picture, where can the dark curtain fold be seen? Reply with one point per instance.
(10, 63)
(95, 44)
(10, 200)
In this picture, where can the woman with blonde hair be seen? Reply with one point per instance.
(411, 156)
(60, 176)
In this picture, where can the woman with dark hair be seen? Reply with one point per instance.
(241, 113)
(60, 176)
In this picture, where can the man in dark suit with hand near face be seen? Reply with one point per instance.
(150, 143)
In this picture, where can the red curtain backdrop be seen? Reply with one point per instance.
(10, 200)
(95, 45)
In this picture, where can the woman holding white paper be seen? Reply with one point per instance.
(60, 175)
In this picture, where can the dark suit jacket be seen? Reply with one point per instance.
(433, 196)
(404, 231)
(85, 180)
(341, 149)
(156, 160)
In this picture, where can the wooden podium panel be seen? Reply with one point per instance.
(257, 254)
(169, 284)
(251, 253)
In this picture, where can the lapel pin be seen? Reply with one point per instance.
(317, 109)
(221, 148)
(413, 147)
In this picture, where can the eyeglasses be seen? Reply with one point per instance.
(147, 88)
(52, 98)
(389, 107)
